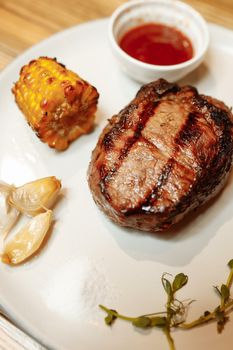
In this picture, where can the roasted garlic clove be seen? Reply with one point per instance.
(28, 240)
(37, 196)
(8, 214)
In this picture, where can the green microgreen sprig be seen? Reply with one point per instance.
(175, 314)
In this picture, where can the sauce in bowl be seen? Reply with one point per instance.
(157, 44)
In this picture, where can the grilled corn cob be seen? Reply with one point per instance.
(56, 102)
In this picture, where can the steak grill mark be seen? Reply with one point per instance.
(156, 91)
(189, 163)
(221, 119)
(148, 111)
(184, 136)
(189, 131)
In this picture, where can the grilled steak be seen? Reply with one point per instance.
(163, 155)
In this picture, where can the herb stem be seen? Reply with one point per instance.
(222, 304)
(230, 279)
(169, 304)
(227, 306)
(170, 340)
(207, 318)
(155, 314)
(197, 322)
(114, 313)
(174, 316)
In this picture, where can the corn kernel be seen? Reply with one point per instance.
(55, 101)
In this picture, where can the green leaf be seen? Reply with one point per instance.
(180, 281)
(142, 322)
(218, 291)
(110, 319)
(230, 264)
(225, 293)
(167, 286)
(158, 321)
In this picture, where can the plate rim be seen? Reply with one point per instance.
(16, 318)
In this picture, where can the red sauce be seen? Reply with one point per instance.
(157, 44)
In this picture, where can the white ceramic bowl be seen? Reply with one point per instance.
(169, 12)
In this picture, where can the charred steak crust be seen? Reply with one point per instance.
(163, 155)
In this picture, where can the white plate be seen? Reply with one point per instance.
(89, 260)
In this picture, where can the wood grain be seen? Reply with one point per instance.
(25, 22)
(12, 338)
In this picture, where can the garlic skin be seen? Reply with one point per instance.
(28, 240)
(35, 197)
(8, 214)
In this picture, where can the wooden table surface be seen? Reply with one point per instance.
(26, 22)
